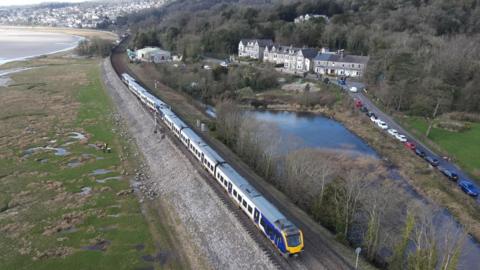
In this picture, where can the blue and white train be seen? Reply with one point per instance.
(284, 235)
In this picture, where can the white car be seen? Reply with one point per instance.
(373, 119)
(392, 132)
(353, 89)
(401, 137)
(382, 124)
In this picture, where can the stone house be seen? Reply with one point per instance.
(340, 64)
(253, 48)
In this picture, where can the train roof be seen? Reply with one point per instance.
(128, 77)
(211, 154)
(138, 87)
(232, 174)
(175, 120)
(268, 210)
(192, 135)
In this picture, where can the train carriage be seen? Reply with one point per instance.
(192, 141)
(210, 159)
(273, 224)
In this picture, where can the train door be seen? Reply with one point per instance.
(256, 215)
(230, 187)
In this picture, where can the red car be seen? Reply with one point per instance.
(358, 103)
(410, 145)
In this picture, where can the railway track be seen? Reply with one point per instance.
(319, 251)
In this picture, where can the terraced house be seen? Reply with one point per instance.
(340, 64)
(253, 48)
(295, 60)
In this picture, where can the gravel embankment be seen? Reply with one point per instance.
(211, 227)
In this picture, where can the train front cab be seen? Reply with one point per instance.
(294, 242)
(289, 242)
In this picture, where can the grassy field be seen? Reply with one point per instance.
(55, 212)
(464, 147)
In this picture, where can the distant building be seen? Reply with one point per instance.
(153, 55)
(340, 64)
(307, 17)
(253, 48)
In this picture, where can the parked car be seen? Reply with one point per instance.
(353, 89)
(451, 175)
(382, 124)
(433, 161)
(373, 118)
(364, 109)
(358, 103)
(392, 131)
(420, 153)
(370, 114)
(401, 137)
(469, 188)
(412, 146)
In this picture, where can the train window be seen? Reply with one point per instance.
(250, 209)
(225, 183)
(239, 198)
(244, 203)
(218, 175)
(234, 192)
(262, 222)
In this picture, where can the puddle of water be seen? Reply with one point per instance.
(34, 150)
(161, 257)
(85, 191)
(67, 144)
(74, 163)
(99, 246)
(77, 136)
(70, 230)
(43, 161)
(100, 172)
(103, 181)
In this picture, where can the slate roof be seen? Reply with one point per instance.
(309, 53)
(261, 42)
(342, 59)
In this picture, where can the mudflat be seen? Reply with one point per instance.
(17, 44)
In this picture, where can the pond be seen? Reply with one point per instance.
(315, 131)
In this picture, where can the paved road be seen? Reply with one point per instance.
(392, 124)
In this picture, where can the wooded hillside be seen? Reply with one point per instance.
(423, 54)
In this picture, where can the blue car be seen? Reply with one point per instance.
(469, 188)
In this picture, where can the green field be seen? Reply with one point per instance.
(464, 147)
(46, 222)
